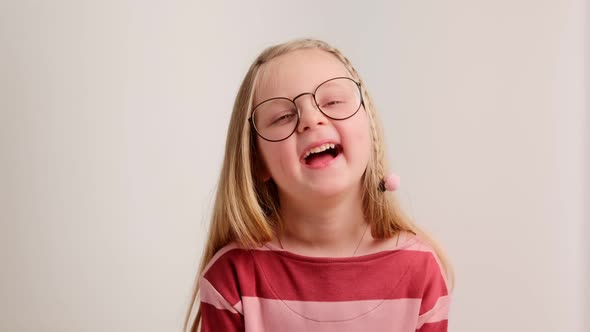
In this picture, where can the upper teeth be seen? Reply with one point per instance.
(318, 149)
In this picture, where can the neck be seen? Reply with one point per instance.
(334, 227)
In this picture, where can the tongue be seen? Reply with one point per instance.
(319, 159)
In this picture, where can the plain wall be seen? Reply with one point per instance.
(113, 116)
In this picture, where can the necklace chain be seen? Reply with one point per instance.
(355, 249)
(361, 240)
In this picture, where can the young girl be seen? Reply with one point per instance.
(304, 236)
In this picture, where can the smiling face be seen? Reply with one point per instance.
(323, 157)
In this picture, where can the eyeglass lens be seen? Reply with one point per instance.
(277, 118)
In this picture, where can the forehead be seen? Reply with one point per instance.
(296, 72)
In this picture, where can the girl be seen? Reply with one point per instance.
(303, 236)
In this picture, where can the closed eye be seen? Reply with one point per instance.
(332, 103)
(284, 118)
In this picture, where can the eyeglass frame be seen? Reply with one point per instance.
(362, 103)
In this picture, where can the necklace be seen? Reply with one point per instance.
(355, 249)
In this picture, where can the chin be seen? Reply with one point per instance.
(332, 187)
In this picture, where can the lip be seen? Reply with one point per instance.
(325, 164)
(315, 145)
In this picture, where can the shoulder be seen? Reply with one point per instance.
(223, 255)
(234, 264)
(431, 284)
(228, 260)
(423, 260)
(221, 279)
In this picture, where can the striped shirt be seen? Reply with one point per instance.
(268, 289)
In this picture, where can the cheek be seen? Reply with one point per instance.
(273, 155)
(362, 145)
(360, 136)
(366, 146)
(264, 153)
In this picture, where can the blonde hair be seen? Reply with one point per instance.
(246, 209)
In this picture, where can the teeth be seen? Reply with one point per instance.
(319, 149)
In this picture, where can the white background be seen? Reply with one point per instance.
(112, 126)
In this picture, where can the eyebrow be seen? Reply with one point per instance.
(275, 82)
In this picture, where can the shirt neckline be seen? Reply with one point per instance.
(361, 258)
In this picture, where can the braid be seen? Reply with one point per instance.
(375, 129)
(377, 205)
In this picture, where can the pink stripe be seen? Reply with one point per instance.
(419, 245)
(442, 326)
(438, 313)
(263, 315)
(209, 295)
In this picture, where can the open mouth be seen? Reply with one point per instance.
(322, 155)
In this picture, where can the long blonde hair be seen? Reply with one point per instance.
(246, 209)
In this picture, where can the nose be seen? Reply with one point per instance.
(310, 116)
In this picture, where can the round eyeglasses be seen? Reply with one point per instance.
(276, 119)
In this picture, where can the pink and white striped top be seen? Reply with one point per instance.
(401, 289)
